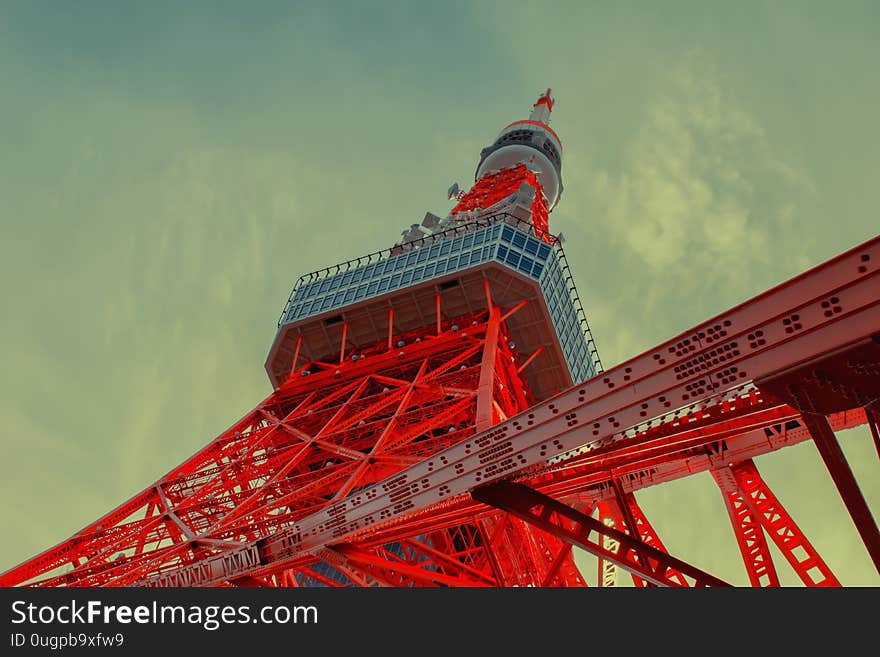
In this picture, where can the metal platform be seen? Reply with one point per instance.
(357, 297)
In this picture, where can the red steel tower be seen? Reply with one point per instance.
(440, 417)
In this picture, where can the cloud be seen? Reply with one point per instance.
(695, 207)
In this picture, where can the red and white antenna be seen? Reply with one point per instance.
(542, 108)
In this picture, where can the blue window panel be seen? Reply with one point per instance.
(346, 278)
(362, 290)
(383, 284)
(395, 280)
(400, 264)
(444, 248)
(532, 246)
(434, 250)
(325, 285)
(441, 266)
(512, 258)
(407, 278)
(411, 258)
(536, 270)
(418, 273)
(371, 289)
(519, 239)
(507, 233)
(429, 270)
(527, 264)
(338, 298)
(502, 252)
(349, 295)
(423, 254)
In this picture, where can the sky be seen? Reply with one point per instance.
(167, 171)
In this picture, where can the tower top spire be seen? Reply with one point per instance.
(542, 108)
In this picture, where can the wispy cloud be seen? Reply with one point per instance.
(694, 208)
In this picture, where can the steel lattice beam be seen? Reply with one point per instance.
(571, 525)
(779, 525)
(748, 530)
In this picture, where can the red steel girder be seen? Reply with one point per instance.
(745, 481)
(845, 481)
(571, 525)
(748, 530)
(608, 515)
(872, 423)
(752, 342)
(824, 385)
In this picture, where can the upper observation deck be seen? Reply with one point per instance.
(449, 268)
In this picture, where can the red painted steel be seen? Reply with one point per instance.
(226, 513)
(315, 440)
(571, 525)
(493, 188)
(396, 469)
(779, 525)
(747, 528)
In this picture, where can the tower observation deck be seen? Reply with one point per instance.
(496, 238)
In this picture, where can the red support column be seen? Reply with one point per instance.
(299, 340)
(626, 522)
(439, 323)
(557, 518)
(747, 528)
(871, 415)
(342, 343)
(781, 527)
(608, 515)
(646, 532)
(826, 442)
(390, 326)
(529, 360)
(487, 372)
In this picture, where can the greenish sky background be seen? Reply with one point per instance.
(168, 171)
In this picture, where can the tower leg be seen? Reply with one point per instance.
(747, 527)
(780, 526)
(826, 442)
(572, 526)
(871, 414)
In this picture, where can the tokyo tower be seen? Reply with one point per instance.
(440, 417)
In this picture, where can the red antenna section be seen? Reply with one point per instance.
(494, 188)
(546, 100)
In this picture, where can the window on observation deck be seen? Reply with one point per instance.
(515, 248)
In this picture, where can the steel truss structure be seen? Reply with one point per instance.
(385, 470)
(427, 461)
